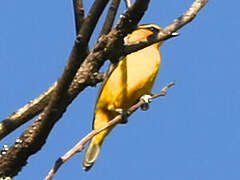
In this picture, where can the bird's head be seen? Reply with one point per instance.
(144, 31)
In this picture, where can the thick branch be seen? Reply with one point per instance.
(29, 111)
(35, 136)
(25, 113)
(80, 145)
(73, 64)
(16, 157)
(36, 106)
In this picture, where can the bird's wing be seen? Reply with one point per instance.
(109, 71)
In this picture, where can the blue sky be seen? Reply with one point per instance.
(193, 133)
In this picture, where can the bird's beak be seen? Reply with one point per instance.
(175, 34)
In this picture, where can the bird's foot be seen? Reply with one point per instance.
(146, 99)
(124, 113)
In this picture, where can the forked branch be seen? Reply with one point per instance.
(80, 145)
(168, 31)
(68, 87)
(34, 107)
(35, 135)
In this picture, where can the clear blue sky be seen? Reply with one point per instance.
(193, 133)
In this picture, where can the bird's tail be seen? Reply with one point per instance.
(93, 149)
(91, 154)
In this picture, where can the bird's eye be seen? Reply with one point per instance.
(154, 30)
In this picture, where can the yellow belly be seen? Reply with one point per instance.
(133, 77)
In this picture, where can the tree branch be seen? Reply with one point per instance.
(80, 145)
(168, 31)
(78, 14)
(25, 113)
(32, 109)
(110, 17)
(35, 136)
(78, 54)
(37, 105)
(128, 3)
(82, 79)
(74, 62)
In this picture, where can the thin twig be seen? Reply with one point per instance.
(168, 31)
(35, 107)
(81, 81)
(80, 145)
(17, 155)
(74, 61)
(128, 3)
(110, 17)
(78, 14)
(30, 110)
(34, 137)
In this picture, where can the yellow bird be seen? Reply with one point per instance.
(126, 81)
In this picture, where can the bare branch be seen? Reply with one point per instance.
(54, 111)
(187, 17)
(35, 136)
(78, 14)
(128, 3)
(32, 109)
(25, 113)
(110, 17)
(80, 82)
(80, 145)
(168, 31)
(36, 106)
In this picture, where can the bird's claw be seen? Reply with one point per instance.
(124, 113)
(146, 99)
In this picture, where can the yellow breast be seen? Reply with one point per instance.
(131, 78)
